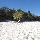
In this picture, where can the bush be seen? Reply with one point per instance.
(2, 18)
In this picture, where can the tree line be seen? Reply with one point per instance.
(16, 15)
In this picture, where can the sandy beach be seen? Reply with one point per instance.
(20, 31)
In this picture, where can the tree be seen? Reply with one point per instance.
(19, 15)
(19, 10)
(30, 16)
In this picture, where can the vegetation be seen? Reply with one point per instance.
(19, 15)
(12, 14)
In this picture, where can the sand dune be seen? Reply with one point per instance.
(19, 31)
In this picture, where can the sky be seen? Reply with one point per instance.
(25, 5)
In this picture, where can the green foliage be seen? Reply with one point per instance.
(6, 13)
(19, 15)
(9, 14)
(2, 18)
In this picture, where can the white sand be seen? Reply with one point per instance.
(19, 31)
